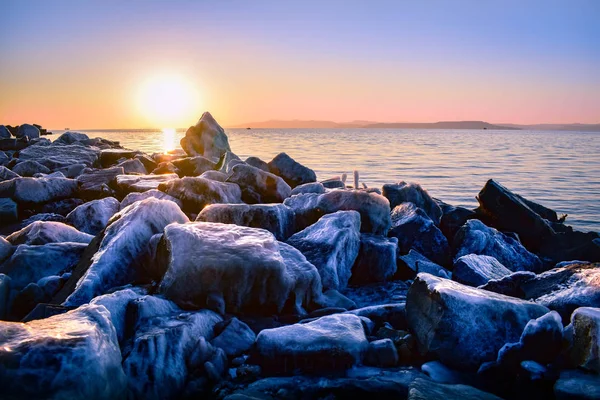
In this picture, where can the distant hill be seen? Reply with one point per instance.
(559, 127)
(303, 124)
(442, 125)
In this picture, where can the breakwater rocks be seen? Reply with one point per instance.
(196, 274)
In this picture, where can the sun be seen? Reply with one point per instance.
(168, 100)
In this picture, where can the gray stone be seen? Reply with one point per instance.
(110, 157)
(403, 192)
(30, 168)
(376, 260)
(9, 212)
(28, 130)
(6, 174)
(477, 270)
(292, 172)
(259, 186)
(92, 217)
(258, 163)
(381, 353)
(60, 156)
(195, 193)
(236, 339)
(311, 187)
(133, 166)
(97, 184)
(71, 138)
(409, 265)
(38, 190)
(206, 139)
(193, 166)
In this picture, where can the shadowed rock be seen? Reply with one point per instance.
(30, 168)
(292, 172)
(42, 232)
(259, 186)
(93, 216)
(193, 166)
(403, 192)
(376, 260)
(476, 270)
(195, 193)
(206, 139)
(59, 156)
(38, 190)
(97, 184)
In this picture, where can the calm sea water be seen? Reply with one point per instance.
(560, 170)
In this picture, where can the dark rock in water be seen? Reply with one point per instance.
(27, 130)
(331, 245)
(97, 184)
(9, 212)
(227, 162)
(92, 217)
(204, 260)
(276, 218)
(584, 351)
(258, 163)
(292, 172)
(6, 174)
(4, 132)
(30, 168)
(110, 157)
(577, 385)
(215, 176)
(412, 193)
(126, 184)
(193, 166)
(155, 193)
(133, 166)
(376, 261)
(424, 389)
(71, 137)
(476, 238)
(235, 339)
(61, 207)
(195, 193)
(75, 354)
(415, 230)
(374, 209)
(509, 285)
(42, 232)
(381, 353)
(334, 342)
(60, 156)
(206, 139)
(122, 242)
(409, 265)
(461, 325)
(453, 218)
(38, 190)
(477, 270)
(312, 187)
(333, 184)
(259, 186)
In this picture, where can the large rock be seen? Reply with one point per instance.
(9, 212)
(453, 218)
(292, 172)
(42, 232)
(123, 241)
(415, 230)
(476, 270)
(259, 186)
(29, 168)
(133, 167)
(206, 139)
(577, 385)
(4, 132)
(374, 209)
(72, 355)
(376, 260)
(126, 184)
(59, 156)
(6, 174)
(228, 268)
(110, 157)
(333, 342)
(195, 193)
(409, 265)
(193, 166)
(97, 184)
(313, 187)
(276, 218)
(476, 238)
(585, 347)
(258, 163)
(117, 303)
(38, 190)
(425, 389)
(71, 137)
(28, 130)
(331, 245)
(403, 192)
(93, 216)
(236, 338)
(463, 326)
(155, 193)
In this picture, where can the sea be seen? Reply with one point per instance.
(558, 169)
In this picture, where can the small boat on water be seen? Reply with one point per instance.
(248, 128)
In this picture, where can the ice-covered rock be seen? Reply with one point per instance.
(123, 241)
(476, 238)
(28, 130)
(97, 184)
(30, 168)
(227, 161)
(62, 207)
(236, 338)
(117, 303)
(585, 348)
(195, 193)
(155, 193)
(292, 172)
(60, 156)
(42, 232)
(425, 389)
(381, 353)
(6, 174)
(38, 190)
(70, 138)
(166, 167)
(276, 218)
(376, 260)
(333, 342)
(6, 249)
(307, 287)
(409, 265)
(509, 285)
(477, 270)
(415, 230)
(133, 166)
(193, 166)
(206, 139)
(259, 186)
(577, 385)
(215, 176)
(93, 216)
(463, 326)
(374, 209)
(312, 187)
(110, 157)
(9, 211)
(140, 183)
(71, 355)
(403, 192)
(258, 163)
(331, 245)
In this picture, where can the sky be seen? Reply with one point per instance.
(148, 64)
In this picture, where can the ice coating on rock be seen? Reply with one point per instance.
(135, 196)
(403, 192)
(585, 350)
(92, 217)
(140, 183)
(42, 232)
(195, 193)
(59, 155)
(477, 270)
(259, 186)
(38, 190)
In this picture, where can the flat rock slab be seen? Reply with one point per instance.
(42, 232)
(58, 155)
(38, 190)
(140, 183)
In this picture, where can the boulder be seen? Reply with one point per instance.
(61, 207)
(38, 190)
(235, 339)
(72, 171)
(97, 184)
(227, 161)
(42, 232)
(425, 389)
(14, 144)
(276, 218)
(374, 209)
(334, 183)
(206, 139)
(258, 163)
(92, 217)
(71, 138)
(453, 218)
(577, 385)
(4, 295)
(147, 161)
(155, 193)
(4, 159)
(122, 242)
(292, 172)
(464, 326)
(126, 184)
(215, 176)
(312, 187)
(409, 265)
(333, 342)
(393, 314)
(415, 230)
(509, 285)
(376, 260)
(476, 238)
(4, 132)
(204, 262)
(133, 166)
(28, 130)
(476, 270)
(71, 355)
(193, 166)
(259, 186)
(9, 212)
(403, 192)
(331, 245)
(382, 353)
(196, 193)
(584, 351)
(166, 167)
(30, 168)
(6, 249)
(6, 174)
(60, 156)
(110, 157)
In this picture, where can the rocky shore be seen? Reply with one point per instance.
(196, 274)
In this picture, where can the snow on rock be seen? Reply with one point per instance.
(31, 131)
(259, 186)
(331, 245)
(464, 326)
(312, 187)
(292, 172)
(123, 241)
(71, 355)
(276, 218)
(157, 194)
(403, 192)
(476, 238)
(333, 342)
(42, 232)
(60, 156)
(477, 270)
(215, 176)
(585, 348)
(70, 138)
(92, 217)
(206, 139)
(140, 183)
(235, 339)
(376, 260)
(38, 190)
(116, 303)
(195, 193)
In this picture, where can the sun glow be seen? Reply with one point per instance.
(168, 100)
(168, 139)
